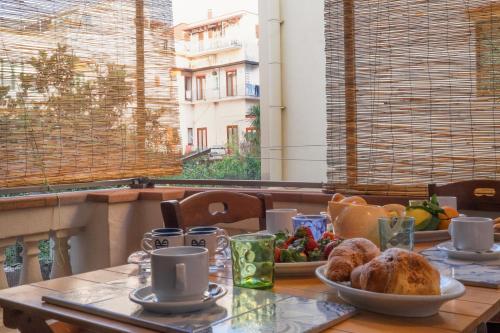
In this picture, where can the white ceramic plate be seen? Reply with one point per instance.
(145, 297)
(393, 304)
(492, 254)
(297, 268)
(431, 236)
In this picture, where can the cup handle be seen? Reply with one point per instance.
(146, 245)
(222, 243)
(450, 229)
(180, 276)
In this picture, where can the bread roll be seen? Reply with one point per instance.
(347, 256)
(398, 271)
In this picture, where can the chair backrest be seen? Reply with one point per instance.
(472, 194)
(196, 209)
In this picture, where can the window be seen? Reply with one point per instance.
(200, 42)
(488, 57)
(165, 44)
(188, 83)
(190, 136)
(250, 130)
(200, 87)
(232, 135)
(201, 138)
(231, 83)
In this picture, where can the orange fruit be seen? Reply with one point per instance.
(449, 213)
(443, 224)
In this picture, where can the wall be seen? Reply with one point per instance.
(303, 120)
(217, 116)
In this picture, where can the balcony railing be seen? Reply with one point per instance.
(213, 45)
(252, 90)
(103, 227)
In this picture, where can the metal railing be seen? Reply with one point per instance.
(146, 182)
(252, 90)
(213, 44)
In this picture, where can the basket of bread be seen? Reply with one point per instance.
(395, 282)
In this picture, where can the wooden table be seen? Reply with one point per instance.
(24, 310)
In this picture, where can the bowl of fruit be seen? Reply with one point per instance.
(299, 254)
(431, 219)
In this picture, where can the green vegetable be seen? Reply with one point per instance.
(286, 256)
(315, 255)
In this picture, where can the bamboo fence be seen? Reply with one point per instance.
(86, 91)
(412, 93)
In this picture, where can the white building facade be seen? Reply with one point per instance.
(293, 99)
(217, 73)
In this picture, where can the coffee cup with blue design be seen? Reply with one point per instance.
(214, 242)
(162, 237)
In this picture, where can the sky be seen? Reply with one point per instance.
(188, 11)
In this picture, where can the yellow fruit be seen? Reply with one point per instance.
(355, 200)
(421, 216)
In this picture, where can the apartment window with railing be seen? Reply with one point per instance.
(188, 83)
(200, 87)
(231, 83)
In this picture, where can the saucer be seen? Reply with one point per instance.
(145, 297)
(492, 254)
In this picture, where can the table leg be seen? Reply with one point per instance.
(24, 322)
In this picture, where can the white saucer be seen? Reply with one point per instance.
(492, 254)
(145, 297)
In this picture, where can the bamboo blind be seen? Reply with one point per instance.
(412, 93)
(86, 91)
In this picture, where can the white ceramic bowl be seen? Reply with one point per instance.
(393, 304)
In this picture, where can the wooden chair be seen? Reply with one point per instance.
(471, 194)
(195, 210)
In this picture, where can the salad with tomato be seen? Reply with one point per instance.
(302, 247)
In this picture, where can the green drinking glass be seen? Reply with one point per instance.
(253, 260)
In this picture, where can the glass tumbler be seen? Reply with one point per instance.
(396, 232)
(253, 260)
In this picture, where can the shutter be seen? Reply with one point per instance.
(85, 104)
(412, 94)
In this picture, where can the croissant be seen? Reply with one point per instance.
(347, 256)
(397, 271)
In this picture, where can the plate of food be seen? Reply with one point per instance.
(396, 282)
(300, 254)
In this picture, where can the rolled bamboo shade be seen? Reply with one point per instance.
(413, 92)
(86, 91)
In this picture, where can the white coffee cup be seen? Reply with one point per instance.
(179, 273)
(153, 241)
(215, 244)
(280, 220)
(218, 230)
(471, 233)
